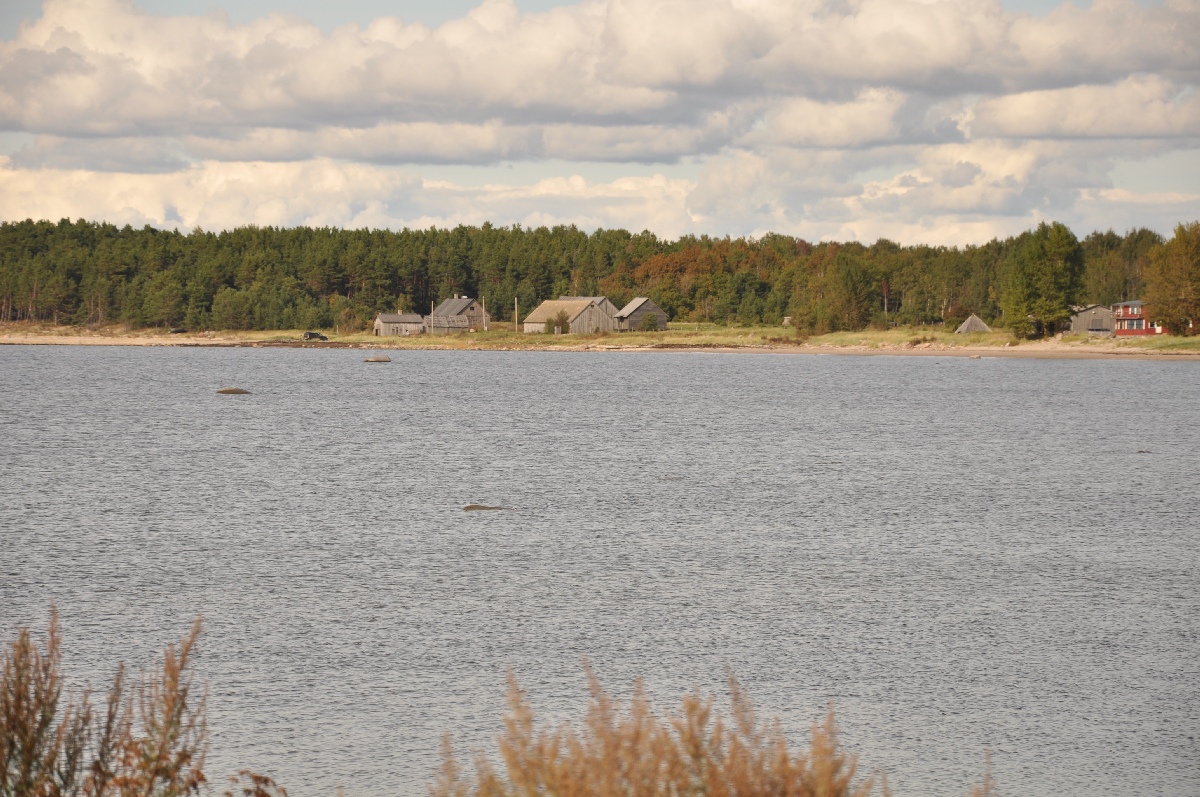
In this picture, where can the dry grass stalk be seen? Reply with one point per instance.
(634, 753)
(150, 740)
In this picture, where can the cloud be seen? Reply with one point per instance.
(817, 117)
(1141, 106)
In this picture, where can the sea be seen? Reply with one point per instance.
(963, 557)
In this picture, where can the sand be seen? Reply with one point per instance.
(1042, 350)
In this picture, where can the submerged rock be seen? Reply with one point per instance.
(482, 508)
(234, 391)
(378, 358)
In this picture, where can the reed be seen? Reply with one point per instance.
(694, 751)
(149, 739)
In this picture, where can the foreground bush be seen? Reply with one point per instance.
(635, 753)
(149, 740)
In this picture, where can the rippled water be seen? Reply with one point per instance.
(962, 554)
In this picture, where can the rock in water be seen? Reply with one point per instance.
(482, 508)
(378, 358)
(234, 391)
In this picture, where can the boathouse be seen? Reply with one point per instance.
(1092, 319)
(460, 314)
(403, 324)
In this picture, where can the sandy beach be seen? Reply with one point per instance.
(886, 344)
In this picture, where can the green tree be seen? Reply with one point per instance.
(1042, 279)
(561, 321)
(1173, 281)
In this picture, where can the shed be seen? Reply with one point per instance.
(973, 324)
(1093, 319)
(459, 314)
(632, 315)
(584, 316)
(403, 324)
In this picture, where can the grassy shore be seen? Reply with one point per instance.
(501, 337)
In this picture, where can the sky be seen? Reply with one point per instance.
(922, 121)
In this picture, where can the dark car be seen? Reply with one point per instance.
(314, 336)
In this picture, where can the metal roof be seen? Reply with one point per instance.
(629, 309)
(400, 318)
(552, 307)
(453, 306)
(1134, 303)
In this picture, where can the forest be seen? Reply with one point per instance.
(94, 273)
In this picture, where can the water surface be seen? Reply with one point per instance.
(962, 554)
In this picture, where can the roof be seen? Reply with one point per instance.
(599, 300)
(632, 307)
(1134, 303)
(552, 307)
(400, 318)
(1083, 308)
(453, 306)
(973, 324)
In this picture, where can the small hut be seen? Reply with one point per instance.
(973, 324)
(403, 324)
(633, 314)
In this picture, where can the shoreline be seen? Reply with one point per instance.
(1039, 350)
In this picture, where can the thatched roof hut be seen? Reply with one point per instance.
(973, 324)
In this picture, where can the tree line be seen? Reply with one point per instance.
(89, 273)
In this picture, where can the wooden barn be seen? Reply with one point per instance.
(601, 301)
(634, 314)
(1094, 319)
(460, 314)
(584, 315)
(403, 324)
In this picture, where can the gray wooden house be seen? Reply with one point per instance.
(403, 324)
(460, 314)
(584, 316)
(1093, 319)
(631, 316)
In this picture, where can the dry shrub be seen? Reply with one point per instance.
(634, 753)
(149, 740)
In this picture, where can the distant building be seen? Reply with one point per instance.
(584, 316)
(633, 314)
(973, 324)
(459, 314)
(601, 301)
(1130, 319)
(403, 324)
(1092, 319)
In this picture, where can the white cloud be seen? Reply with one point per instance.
(967, 117)
(1141, 106)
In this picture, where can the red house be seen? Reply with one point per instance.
(1131, 320)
